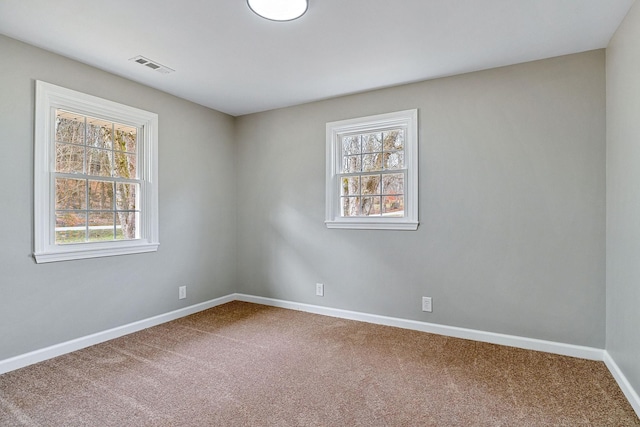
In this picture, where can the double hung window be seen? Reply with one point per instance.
(95, 177)
(372, 170)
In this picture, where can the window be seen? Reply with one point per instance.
(372, 172)
(95, 178)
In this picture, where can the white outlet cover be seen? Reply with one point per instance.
(319, 289)
(426, 304)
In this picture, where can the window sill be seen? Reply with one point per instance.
(373, 225)
(84, 251)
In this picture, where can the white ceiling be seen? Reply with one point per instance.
(229, 59)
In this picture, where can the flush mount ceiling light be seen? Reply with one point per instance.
(279, 10)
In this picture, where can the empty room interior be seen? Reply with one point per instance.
(317, 214)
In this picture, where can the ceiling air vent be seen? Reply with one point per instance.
(152, 64)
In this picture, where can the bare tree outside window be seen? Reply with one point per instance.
(96, 184)
(372, 179)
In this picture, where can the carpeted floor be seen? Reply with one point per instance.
(244, 364)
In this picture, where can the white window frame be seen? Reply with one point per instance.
(408, 120)
(50, 97)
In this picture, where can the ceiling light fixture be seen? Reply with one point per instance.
(279, 10)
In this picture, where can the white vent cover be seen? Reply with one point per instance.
(152, 64)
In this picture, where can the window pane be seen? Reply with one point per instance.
(127, 225)
(351, 164)
(98, 162)
(101, 226)
(126, 222)
(370, 206)
(125, 165)
(351, 186)
(70, 227)
(126, 138)
(69, 158)
(394, 140)
(69, 127)
(71, 193)
(394, 160)
(351, 145)
(372, 142)
(126, 196)
(100, 195)
(393, 206)
(99, 133)
(350, 206)
(371, 184)
(393, 183)
(372, 162)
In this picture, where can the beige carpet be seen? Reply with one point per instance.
(243, 364)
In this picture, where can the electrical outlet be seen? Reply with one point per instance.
(182, 292)
(426, 304)
(319, 289)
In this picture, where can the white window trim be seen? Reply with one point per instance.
(333, 219)
(48, 98)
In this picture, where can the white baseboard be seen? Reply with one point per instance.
(36, 356)
(623, 382)
(581, 352)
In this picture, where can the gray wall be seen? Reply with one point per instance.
(46, 304)
(623, 197)
(512, 205)
(512, 193)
